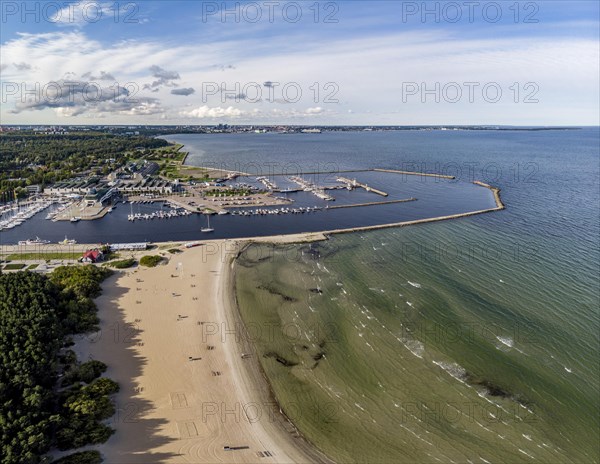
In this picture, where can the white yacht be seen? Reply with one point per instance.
(37, 241)
(208, 228)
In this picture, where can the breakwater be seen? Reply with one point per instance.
(499, 206)
(414, 173)
(373, 203)
(495, 191)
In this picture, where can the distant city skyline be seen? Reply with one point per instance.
(300, 63)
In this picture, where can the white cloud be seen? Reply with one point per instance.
(205, 112)
(81, 13)
(368, 73)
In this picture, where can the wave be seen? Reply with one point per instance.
(455, 370)
(506, 341)
(416, 347)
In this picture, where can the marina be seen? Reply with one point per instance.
(172, 211)
(14, 215)
(182, 217)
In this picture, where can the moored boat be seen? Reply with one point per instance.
(37, 241)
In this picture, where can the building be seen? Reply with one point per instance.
(91, 197)
(128, 246)
(149, 169)
(92, 256)
(79, 186)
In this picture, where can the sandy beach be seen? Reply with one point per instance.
(172, 338)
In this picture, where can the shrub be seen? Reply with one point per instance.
(151, 261)
(124, 263)
(84, 281)
(87, 372)
(83, 457)
(80, 433)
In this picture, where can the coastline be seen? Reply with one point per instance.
(171, 409)
(252, 373)
(172, 338)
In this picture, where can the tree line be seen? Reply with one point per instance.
(47, 398)
(27, 158)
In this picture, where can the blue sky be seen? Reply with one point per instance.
(348, 62)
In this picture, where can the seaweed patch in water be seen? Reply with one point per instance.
(272, 291)
(495, 390)
(320, 355)
(280, 359)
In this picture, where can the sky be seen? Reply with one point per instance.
(304, 63)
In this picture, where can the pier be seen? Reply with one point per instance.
(354, 183)
(268, 183)
(308, 186)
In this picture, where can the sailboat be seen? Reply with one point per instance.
(207, 229)
(131, 217)
(67, 241)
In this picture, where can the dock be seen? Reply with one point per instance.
(308, 186)
(268, 183)
(354, 183)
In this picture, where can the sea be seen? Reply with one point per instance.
(474, 340)
(471, 340)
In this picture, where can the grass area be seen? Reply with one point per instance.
(171, 161)
(151, 260)
(14, 267)
(186, 174)
(169, 246)
(32, 266)
(40, 255)
(174, 251)
(172, 153)
(111, 256)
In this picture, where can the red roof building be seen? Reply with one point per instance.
(92, 256)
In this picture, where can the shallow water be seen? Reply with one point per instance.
(471, 340)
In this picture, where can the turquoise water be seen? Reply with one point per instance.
(474, 340)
